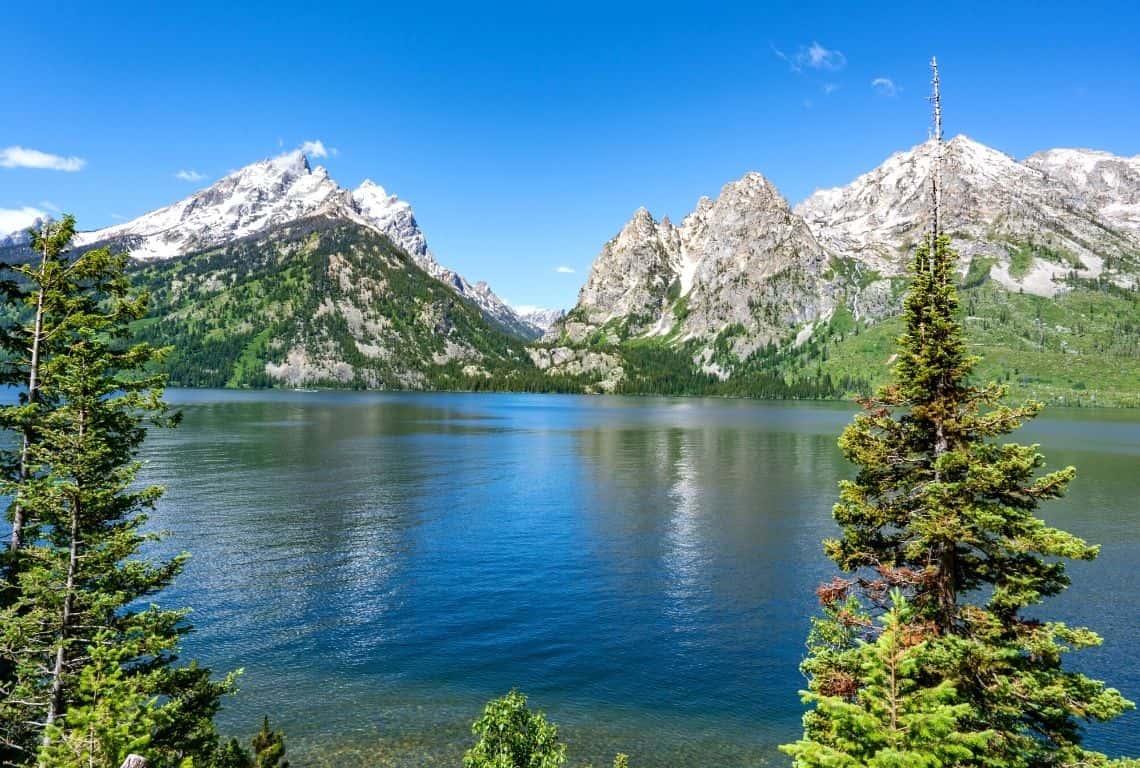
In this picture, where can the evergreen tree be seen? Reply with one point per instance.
(89, 672)
(945, 514)
(38, 295)
(269, 748)
(895, 719)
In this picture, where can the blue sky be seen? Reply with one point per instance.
(526, 135)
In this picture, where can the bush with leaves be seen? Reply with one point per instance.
(511, 736)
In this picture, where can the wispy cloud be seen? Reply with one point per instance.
(22, 157)
(17, 219)
(564, 270)
(884, 86)
(830, 88)
(185, 175)
(49, 205)
(118, 217)
(317, 148)
(814, 56)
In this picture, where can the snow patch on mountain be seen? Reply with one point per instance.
(1100, 180)
(542, 318)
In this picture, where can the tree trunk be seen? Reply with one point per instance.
(18, 519)
(55, 701)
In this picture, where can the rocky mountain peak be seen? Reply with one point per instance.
(1106, 183)
(392, 216)
(277, 191)
(754, 187)
(992, 206)
(633, 271)
(540, 317)
(253, 199)
(640, 226)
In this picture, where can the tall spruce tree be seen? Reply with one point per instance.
(88, 669)
(944, 512)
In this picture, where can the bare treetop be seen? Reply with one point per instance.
(936, 171)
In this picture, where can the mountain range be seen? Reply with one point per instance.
(277, 275)
(746, 283)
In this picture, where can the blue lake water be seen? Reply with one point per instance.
(383, 564)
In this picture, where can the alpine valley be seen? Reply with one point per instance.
(277, 276)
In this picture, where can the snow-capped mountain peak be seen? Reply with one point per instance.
(276, 191)
(1054, 204)
(250, 200)
(392, 216)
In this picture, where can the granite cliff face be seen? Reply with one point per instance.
(739, 273)
(1098, 181)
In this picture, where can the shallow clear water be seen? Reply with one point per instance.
(383, 564)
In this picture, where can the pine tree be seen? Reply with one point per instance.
(944, 512)
(47, 285)
(89, 672)
(895, 719)
(269, 748)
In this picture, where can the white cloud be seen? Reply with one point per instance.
(21, 157)
(818, 57)
(884, 86)
(317, 148)
(814, 56)
(564, 270)
(49, 205)
(189, 175)
(118, 217)
(17, 219)
(830, 88)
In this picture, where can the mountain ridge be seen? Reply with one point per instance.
(274, 192)
(276, 275)
(747, 283)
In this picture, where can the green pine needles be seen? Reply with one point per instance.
(941, 541)
(87, 664)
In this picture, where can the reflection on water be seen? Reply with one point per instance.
(381, 565)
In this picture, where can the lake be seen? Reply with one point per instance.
(381, 565)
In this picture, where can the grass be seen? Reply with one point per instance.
(1079, 348)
